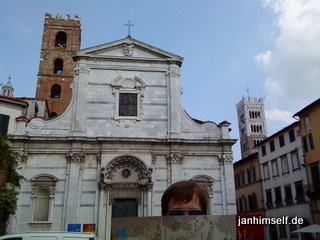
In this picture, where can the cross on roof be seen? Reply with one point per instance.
(129, 25)
(9, 78)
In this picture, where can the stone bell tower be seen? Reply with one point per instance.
(252, 124)
(61, 36)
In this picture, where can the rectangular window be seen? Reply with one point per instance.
(307, 123)
(315, 175)
(269, 198)
(278, 200)
(263, 149)
(241, 178)
(128, 104)
(292, 136)
(288, 195)
(292, 228)
(295, 159)
(281, 141)
(299, 192)
(271, 143)
(282, 231)
(275, 169)
(251, 174)
(266, 171)
(284, 164)
(4, 124)
(236, 180)
(308, 142)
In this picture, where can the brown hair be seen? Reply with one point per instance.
(183, 192)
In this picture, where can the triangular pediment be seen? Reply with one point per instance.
(128, 48)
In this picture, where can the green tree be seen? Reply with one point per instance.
(9, 183)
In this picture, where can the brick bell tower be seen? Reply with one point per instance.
(56, 69)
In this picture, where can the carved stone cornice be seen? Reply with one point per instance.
(175, 158)
(20, 156)
(76, 157)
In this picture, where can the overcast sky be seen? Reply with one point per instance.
(271, 47)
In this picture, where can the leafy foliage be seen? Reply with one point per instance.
(9, 184)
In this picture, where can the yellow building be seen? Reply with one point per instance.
(310, 134)
(248, 185)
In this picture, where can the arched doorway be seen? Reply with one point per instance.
(127, 182)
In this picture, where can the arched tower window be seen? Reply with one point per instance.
(53, 114)
(58, 66)
(55, 91)
(61, 39)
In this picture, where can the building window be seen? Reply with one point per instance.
(236, 180)
(58, 66)
(241, 179)
(307, 123)
(263, 150)
(53, 114)
(251, 174)
(299, 192)
(292, 136)
(43, 193)
(271, 143)
(55, 91)
(282, 231)
(41, 205)
(252, 201)
(4, 124)
(128, 104)
(308, 142)
(315, 175)
(243, 204)
(61, 39)
(269, 198)
(128, 93)
(295, 159)
(284, 164)
(266, 171)
(281, 141)
(288, 195)
(292, 228)
(278, 200)
(275, 169)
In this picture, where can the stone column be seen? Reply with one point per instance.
(74, 159)
(223, 186)
(175, 161)
(78, 126)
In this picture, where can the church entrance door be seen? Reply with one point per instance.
(124, 208)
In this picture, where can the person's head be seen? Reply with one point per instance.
(184, 195)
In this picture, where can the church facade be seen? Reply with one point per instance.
(123, 139)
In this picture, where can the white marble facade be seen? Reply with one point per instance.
(91, 155)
